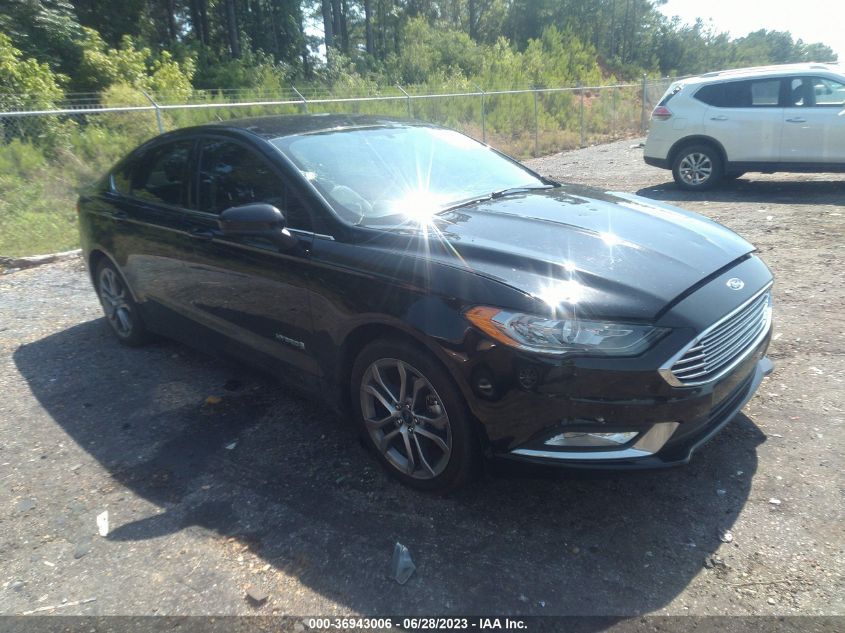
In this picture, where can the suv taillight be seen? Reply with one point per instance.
(661, 113)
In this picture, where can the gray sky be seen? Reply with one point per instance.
(810, 20)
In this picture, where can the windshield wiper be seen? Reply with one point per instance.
(549, 184)
(501, 193)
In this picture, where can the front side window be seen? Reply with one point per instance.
(232, 175)
(827, 92)
(161, 175)
(385, 175)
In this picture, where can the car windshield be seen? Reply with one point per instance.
(390, 176)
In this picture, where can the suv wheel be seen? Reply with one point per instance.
(413, 416)
(697, 167)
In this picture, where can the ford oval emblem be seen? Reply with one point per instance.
(735, 283)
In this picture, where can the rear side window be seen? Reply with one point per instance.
(232, 175)
(121, 178)
(713, 95)
(161, 175)
(755, 93)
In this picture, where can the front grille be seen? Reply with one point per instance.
(721, 346)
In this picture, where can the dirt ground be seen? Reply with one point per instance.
(269, 491)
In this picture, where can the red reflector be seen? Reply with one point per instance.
(661, 113)
(78, 207)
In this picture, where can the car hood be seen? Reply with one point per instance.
(609, 254)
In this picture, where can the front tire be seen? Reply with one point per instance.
(413, 416)
(120, 308)
(697, 167)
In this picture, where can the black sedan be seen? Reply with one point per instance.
(449, 301)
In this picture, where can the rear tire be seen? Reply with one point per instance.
(120, 308)
(413, 416)
(697, 167)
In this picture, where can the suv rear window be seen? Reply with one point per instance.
(754, 93)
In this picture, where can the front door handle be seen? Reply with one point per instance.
(201, 234)
(721, 117)
(796, 119)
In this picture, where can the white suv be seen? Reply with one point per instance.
(775, 118)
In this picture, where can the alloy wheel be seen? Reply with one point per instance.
(406, 418)
(114, 299)
(696, 168)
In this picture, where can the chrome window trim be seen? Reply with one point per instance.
(666, 368)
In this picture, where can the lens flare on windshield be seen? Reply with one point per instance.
(419, 205)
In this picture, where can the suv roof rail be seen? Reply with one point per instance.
(770, 67)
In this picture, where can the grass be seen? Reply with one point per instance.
(37, 216)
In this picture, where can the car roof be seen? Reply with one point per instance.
(764, 71)
(291, 125)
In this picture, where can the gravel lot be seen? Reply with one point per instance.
(269, 491)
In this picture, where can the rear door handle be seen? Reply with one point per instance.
(119, 216)
(721, 117)
(201, 234)
(797, 119)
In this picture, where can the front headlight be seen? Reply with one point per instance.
(534, 333)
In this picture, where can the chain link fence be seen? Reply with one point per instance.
(46, 156)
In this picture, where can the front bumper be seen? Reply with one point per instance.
(673, 443)
(523, 401)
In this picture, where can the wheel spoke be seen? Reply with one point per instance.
(376, 372)
(422, 456)
(438, 422)
(387, 439)
(123, 316)
(379, 424)
(403, 379)
(434, 438)
(419, 384)
(406, 438)
(106, 286)
(370, 389)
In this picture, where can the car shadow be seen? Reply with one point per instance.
(282, 476)
(748, 189)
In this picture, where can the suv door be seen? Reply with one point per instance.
(149, 194)
(814, 121)
(245, 288)
(745, 117)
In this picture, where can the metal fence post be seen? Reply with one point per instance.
(157, 109)
(613, 129)
(536, 127)
(483, 115)
(304, 100)
(581, 113)
(408, 100)
(645, 105)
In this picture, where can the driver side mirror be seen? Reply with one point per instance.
(257, 220)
